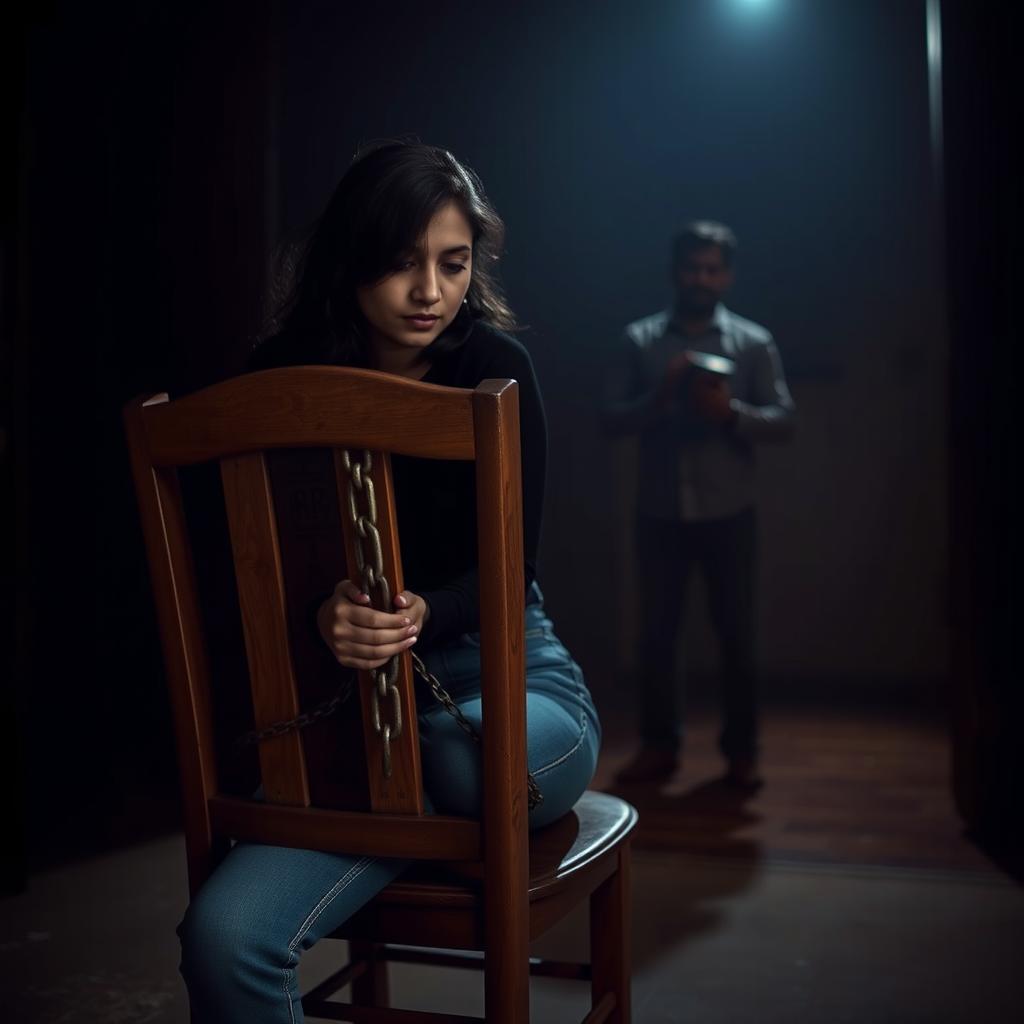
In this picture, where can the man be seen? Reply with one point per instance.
(699, 420)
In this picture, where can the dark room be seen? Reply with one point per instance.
(328, 331)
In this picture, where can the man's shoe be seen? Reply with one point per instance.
(743, 774)
(651, 764)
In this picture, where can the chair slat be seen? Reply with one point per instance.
(310, 407)
(433, 837)
(174, 588)
(312, 546)
(261, 597)
(402, 792)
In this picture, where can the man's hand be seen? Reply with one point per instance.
(711, 399)
(669, 385)
(363, 638)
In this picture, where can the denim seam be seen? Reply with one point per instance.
(357, 869)
(579, 742)
(284, 987)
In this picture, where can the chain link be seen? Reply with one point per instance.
(370, 566)
(444, 698)
(322, 710)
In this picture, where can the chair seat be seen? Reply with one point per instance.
(568, 857)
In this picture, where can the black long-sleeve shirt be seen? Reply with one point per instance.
(436, 499)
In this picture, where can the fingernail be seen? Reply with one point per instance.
(410, 641)
(413, 630)
(405, 622)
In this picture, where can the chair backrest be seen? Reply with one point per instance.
(241, 424)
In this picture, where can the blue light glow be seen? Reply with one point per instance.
(750, 6)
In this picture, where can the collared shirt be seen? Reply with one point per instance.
(689, 470)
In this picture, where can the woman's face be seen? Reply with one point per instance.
(410, 307)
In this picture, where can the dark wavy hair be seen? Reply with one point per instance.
(379, 210)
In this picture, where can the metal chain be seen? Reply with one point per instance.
(534, 796)
(370, 565)
(322, 710)
(328, 707)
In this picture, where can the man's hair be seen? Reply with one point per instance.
(699, 234)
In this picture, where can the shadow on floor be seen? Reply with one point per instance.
(723, 811)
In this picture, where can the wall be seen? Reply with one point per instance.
(600, 128)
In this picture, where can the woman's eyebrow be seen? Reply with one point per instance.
(456, 250)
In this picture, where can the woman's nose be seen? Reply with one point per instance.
(426, 288)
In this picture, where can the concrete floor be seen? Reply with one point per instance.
(716, 942)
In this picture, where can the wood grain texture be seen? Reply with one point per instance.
(503, 669)
(843, 786)
(609, 942)
(261, 594)
(313, 407)
(174, 590)
(432, 837)
(309, 535)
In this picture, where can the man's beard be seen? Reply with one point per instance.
(696, 303)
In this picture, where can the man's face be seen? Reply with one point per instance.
(702, 278)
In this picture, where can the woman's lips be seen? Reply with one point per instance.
(422, 323)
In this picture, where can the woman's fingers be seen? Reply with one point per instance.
(358, 635)
(348, 589)
(350, 604)
(370, 618)
(367, 656)
(373, 637)
(414, 605)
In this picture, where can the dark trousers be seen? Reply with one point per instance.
(724, 550)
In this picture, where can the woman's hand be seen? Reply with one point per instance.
(414, 607)
(363, 638)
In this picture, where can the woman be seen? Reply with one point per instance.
(397, 277)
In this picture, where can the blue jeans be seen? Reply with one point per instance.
(264, 906)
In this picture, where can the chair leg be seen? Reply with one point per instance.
(507, 965)
(371, 987)
(610, 940)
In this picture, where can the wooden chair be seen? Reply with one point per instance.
(507, 887)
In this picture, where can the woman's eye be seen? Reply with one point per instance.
(453, 268)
